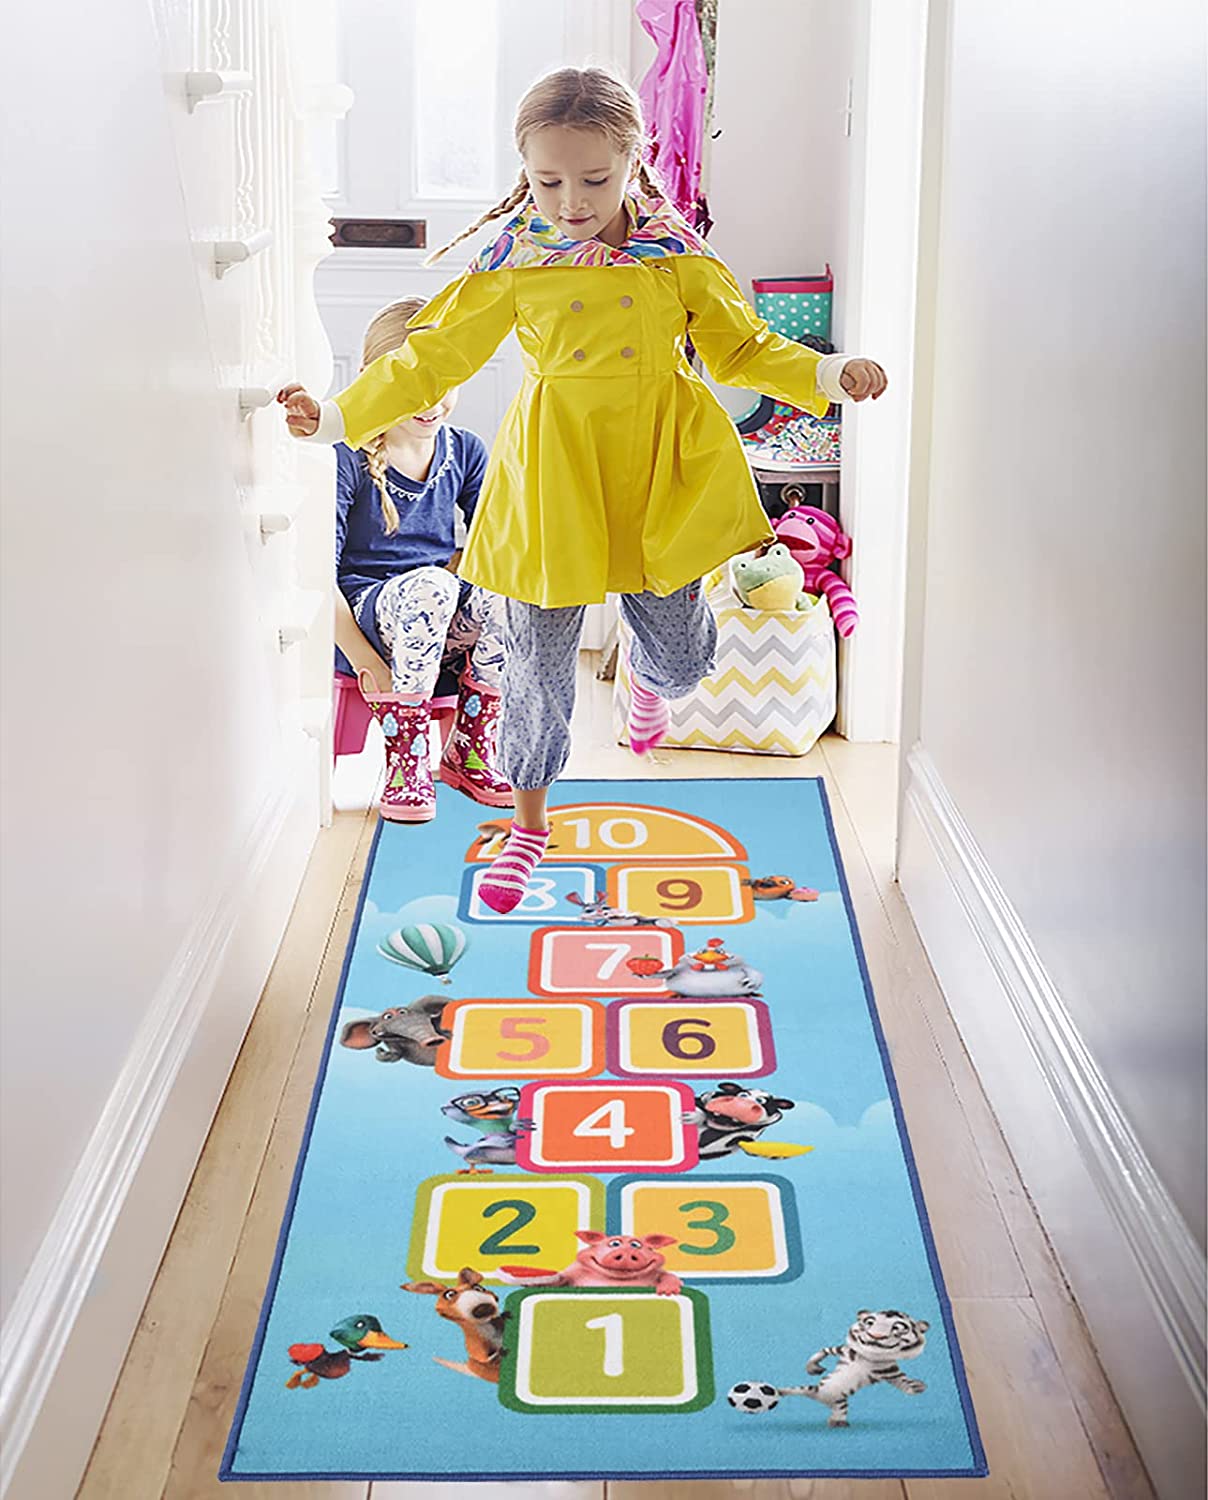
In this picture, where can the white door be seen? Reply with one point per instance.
(429, 136)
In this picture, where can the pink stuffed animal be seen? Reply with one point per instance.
(816, 540)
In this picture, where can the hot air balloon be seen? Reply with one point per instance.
(429, 947)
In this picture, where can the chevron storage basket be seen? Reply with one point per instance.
(773, 692)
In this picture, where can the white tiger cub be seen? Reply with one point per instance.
(875, 1343)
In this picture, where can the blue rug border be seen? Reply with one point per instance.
(978, 1470)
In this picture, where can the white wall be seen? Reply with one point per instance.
(1056, 704)
(159, 794)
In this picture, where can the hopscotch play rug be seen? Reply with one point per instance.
(617, 1186)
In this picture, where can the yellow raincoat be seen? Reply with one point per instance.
(615, 468)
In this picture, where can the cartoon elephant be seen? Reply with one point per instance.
(404, 1033)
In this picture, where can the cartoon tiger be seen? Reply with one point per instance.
(875, 1343)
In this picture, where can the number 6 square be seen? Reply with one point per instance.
(607, 1127)
(705, 1038)
(522, 1039)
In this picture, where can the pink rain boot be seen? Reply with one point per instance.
(409, 795)
(472, 748)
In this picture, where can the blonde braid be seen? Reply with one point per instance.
(505, 205)
(375, 462)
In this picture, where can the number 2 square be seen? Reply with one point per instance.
(607, 1127)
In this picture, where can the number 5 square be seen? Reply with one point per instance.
(607, 1127)
(603, 1351)
(708, 1038)
(522, 1039)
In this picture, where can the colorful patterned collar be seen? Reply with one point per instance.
(656, 230)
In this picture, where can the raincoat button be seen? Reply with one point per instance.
(576, 306)
(580, 354)
(626, 301)
(628, 353)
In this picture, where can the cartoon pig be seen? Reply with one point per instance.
(609, 1260)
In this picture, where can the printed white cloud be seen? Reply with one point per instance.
(816, 1127)
(423, 909)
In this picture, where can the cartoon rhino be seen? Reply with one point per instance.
(711, 973)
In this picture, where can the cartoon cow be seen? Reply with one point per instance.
(730, 1115)
(609, 1260)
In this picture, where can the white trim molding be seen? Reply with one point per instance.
(66, 1335)
(1133, 1264)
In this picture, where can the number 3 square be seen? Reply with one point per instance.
(522, 1039)
(706, 1038)
(607, 1127)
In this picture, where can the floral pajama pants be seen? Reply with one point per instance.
(674, 640)
(429, 615)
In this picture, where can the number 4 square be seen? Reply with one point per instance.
(607, 1127)
(592, 1351)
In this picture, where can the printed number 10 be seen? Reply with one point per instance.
(614, 1350)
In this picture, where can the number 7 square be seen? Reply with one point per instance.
(602, 960)
(603, 1126)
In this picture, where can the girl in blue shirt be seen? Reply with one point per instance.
(400, 610)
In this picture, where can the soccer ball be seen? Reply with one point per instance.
(753, 1395)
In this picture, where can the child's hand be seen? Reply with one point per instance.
(862, 378)
(302, 410)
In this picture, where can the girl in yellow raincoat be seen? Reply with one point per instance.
(615, 469)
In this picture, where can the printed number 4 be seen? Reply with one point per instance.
(614, 1349)
(615, 1130)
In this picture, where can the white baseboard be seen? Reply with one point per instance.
(71, 1322)
(1133, 1265)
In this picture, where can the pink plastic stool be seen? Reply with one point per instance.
(352, 716)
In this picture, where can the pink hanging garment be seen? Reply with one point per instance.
(673, 97)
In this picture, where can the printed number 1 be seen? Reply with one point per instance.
(616, 1129)
(614, 1350)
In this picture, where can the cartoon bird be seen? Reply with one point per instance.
(493, 1112)
(362, 1338)
(779, 888)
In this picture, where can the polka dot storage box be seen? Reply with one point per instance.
(796, 305)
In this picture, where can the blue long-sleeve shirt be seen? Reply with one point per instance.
(365, 555)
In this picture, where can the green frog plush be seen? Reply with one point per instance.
(772, 581)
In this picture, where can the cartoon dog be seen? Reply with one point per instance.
(475, 1309)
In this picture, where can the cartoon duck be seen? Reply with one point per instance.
(493, 1112)
(362, 1338)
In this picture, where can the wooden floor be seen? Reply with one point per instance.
(1050, 1425)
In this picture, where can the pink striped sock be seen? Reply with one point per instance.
(648, 718)
(507, 880)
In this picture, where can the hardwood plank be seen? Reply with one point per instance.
(756, 1489)
(1035, 1444)
(975, 1248)
(192, 1475)
(1107, 1431)
(550, 1489)
(133, 1451)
